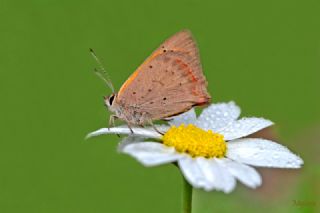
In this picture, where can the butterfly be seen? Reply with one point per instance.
(169, 82)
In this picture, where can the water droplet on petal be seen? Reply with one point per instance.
(289, 164)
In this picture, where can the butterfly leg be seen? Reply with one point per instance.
(155, 128)
(112, 119)
(130, 127)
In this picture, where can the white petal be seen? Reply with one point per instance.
(244, 127)
(245, 174)
(151, 153)
(260, 152)
(217, 116)
(130, 140)
(191, 171)
(145, 132)
(218, 177)
(185, 118)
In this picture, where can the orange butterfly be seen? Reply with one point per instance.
(168, 83)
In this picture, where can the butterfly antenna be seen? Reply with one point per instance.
(101, 72)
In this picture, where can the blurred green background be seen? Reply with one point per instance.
(263, 55)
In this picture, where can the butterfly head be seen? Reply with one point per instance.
(109, 101)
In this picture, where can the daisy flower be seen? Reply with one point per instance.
(210, 150)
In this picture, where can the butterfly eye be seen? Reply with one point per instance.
(111, 99)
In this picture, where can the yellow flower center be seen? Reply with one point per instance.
(195, 141)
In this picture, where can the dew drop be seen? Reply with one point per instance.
(298, 162)
(289, 164)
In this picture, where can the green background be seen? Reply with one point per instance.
(265, 55)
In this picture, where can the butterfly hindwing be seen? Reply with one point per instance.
(169, 82)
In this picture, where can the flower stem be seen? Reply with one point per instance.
(186, 197)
